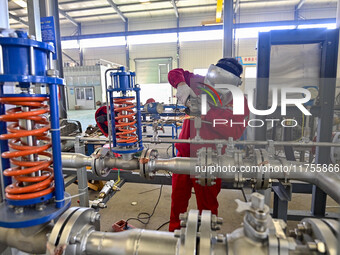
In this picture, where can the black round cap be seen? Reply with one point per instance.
(231, 65)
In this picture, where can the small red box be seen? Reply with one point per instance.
(119, 226)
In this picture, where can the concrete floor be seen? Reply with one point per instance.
(85, 117)
(121, 205)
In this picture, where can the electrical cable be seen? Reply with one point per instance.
(167, 151)
(145, 217)
(165, 223)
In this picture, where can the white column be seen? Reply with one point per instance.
(4, 19)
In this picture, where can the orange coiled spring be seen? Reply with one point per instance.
(27, 185)
(126, 120)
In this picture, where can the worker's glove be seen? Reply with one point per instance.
(184, 92)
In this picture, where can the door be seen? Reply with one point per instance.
(85, 98)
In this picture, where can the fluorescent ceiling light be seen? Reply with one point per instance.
(326, 25)
(69, 44)
(102, 42)
(254, 31)
(152, 38)
(144, 1)
(201, 35)
(183, 36)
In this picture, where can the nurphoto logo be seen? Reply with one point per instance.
(238, 100)
(238, 105)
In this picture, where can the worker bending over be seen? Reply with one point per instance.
(189, 85)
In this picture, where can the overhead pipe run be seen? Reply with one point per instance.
(244, 168)
(215, 141)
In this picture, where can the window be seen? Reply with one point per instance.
(89, 93)
(80, 93)
(153, 70)
(163, 72)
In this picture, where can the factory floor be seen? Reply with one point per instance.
(85, 117)
(133, 198)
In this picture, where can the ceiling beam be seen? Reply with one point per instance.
(69, 57)
(72, 20)
(137, 11)
(62, 12)
(237, 6)
(116, 8)
(164, 8)
(297, 9)
(151, 10)
(300, 4)
(175, 8)
(202, 28)
(138, 3)
(20, 20)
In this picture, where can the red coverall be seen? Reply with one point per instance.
(206, 196)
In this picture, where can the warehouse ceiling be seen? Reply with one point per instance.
(88, 11)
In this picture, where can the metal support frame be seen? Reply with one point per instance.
(72, 20)
(237, 6)
(329, 42)
(20, 20)
(326, 96)
(34, 23)
(297, 9)
(203, 28)
(173, 2)
(178, 45)
(228, 23)
(51, 8)
(79, 147)
(127, 49)
(69, 57)
(116, 8)
(262, 82)
(282, 194)
(81, 51)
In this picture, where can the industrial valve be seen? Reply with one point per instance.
(29, 129)
(125, 116)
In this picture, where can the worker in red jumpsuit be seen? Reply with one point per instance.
(188, 85)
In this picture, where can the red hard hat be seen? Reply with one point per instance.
(150, 100)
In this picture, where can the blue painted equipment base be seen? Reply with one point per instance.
(30, 201)
(31, 216)
(126, 150)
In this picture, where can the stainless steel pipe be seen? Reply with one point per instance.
(174, 165)
(264, 143)
(217, 141)
(328, 181)
(31, 240)
(135, 241)
(77, 160)
(132, 164)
